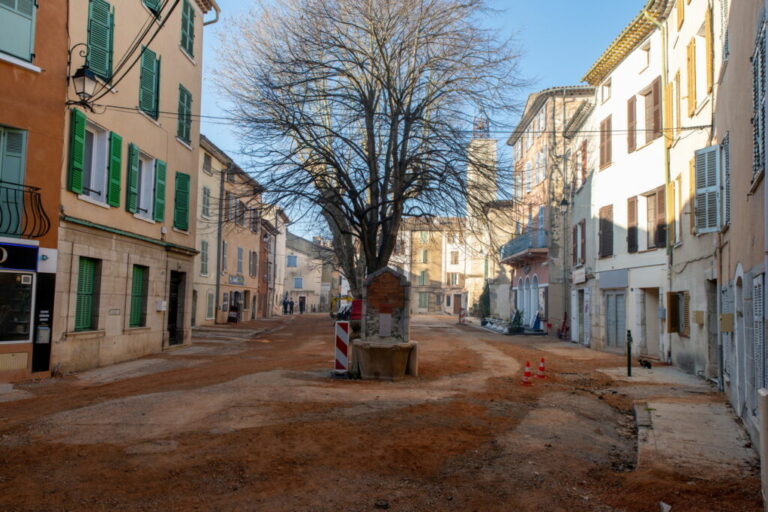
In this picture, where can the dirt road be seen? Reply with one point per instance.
(258, 425)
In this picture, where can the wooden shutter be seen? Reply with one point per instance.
(584, 161)
(632, 224)
(574, 245)
(673, 308)
(631, 124)
(181, 202)
(667, 126)
(114, 169)
(160, 181)
(606, 231)
(709, 53)
(680, 14)
(132, 180)
(605, 142)
(17, 19)
(660, 234)
(85, 288)
(656, 109)
(149, 82)
(608, 141)
(184, 122)
(672, 225)
(100, 37)
(583, 230)
(691, 199)
(707, 190)
(188, 28)
(137, 296)
(76, 151)
(726, 163)
(692, 78)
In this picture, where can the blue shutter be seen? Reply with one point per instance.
(17, 28)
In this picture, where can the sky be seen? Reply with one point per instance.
(559, 40)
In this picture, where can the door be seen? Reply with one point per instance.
(194, 307)
(456, 303)
(575, 313)
(253, 307)
(651, 317)
(176, 308)
(615, 320)
(302, 304)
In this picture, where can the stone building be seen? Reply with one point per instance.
(306, 264)
(127, 239)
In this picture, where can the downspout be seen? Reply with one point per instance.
(664, 82)
(219, 226)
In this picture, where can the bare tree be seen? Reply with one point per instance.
(364, 110)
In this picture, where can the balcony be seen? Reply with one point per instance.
(524, 247)
(21, 211)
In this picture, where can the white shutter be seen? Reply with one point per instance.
(587, 317)
(707, 190)
(575, 315)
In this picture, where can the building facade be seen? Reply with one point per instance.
(303, 284)
(33, 46)
(126, 236)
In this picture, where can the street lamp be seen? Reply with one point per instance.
(85, 83)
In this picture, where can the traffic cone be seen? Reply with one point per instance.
(527, 374)
(540, 374)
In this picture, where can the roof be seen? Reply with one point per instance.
(207, 5)
(578, 119)
(219, 153)
(629, 39)
(538, 99)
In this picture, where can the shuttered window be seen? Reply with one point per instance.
(181, 202)
(605, 142)
(159, 199)
(654, 126)
(424, 255)
(224, 248)
(725, 162)
(667, 125)
(708, 48)
(101, 23)
(583, 234)
(206, 207)
(76, 151)
(423, 278)
(149, 83)
(204, 257)
(132, 180)
(138, 315)
(184, 122)
(758, 105)
(632, 224)
(114, 169)
(211, 305)
(606, 231)
(86, 307)
(153, 5)
(680, 14)
(239, 260)
(17, 28)
(707, 203)
(584, 160)
(691, 67)
(188, 28)
(759, 332)
(574, 248)
(631, 124)
(12, 170)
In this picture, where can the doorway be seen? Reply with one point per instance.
(615, 320)
(253, 308)
(176, 308)
(651, 321)
(456, 303)
(194, 307)
(302, 304)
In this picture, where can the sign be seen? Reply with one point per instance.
(237, 280)
(18, 257)
(580, 275)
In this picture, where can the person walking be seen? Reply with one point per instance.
(285, 305)
(290, 306)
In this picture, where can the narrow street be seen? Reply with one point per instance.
(234, 423)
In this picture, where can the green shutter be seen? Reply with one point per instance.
(184, 126)
(159, 209)
(149, 82)
(138, 296)
(17, 36)
(132, 180)
(188, 28)
(181, 202)
(76, 151)
(115, 164)
(100, 37)
(153, 5)
(85, 288)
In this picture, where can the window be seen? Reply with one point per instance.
(225, 301)
(12, 170)
(656, 218)
(146, 185)
(646, 55)
(254, 219)
(678, 313)
(424, 255)
(631, 124)
(453, 278)
(86, 307)
(758, 105)
(240, 218)
(528, 177)
(204, 257)
(207, 161)
(423, 299)
(725, 165)
(632, 235)
(188, 28)
(181, 202)
(424, 236)
(253, 261)
(210, 305)
(691, 69)
(239, 260)
(678, 199)
(184, 121)
(423, 278)
(298, 283)
(605, 142)
(224, 247)
(17, 28)
(577, 243)
(292, 261)
(138, 315)
(708, 51)
(101, 23)
(652, 97)
(95, 159)
(707, 199)
(680, 14)
(605, 91)
(206, 207)
(454, 257)
(149, 83)
(606, 231)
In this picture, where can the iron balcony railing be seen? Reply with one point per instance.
(534, 239)
(21, 211)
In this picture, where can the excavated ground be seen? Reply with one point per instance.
(257, 424)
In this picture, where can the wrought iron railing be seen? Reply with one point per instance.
(21, 211)
(534, 239)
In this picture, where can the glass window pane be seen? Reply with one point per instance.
(15, 306)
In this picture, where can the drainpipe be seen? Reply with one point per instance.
(664, 82)
(219, 227)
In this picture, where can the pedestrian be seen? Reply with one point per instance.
(285, 305)
(290, 306)
(302, 307)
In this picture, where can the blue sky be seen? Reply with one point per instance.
(559, 41)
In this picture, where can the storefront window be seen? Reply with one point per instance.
(15, 306)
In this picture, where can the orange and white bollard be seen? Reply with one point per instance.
(527, 375)
(540, 374)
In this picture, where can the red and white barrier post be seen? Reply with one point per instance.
(342, 347)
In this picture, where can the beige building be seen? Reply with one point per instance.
(127, 237)
(310, 281)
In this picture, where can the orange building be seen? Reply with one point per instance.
(33, 71)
